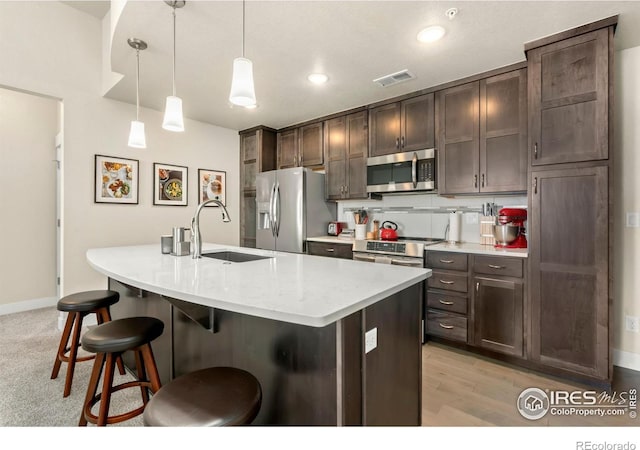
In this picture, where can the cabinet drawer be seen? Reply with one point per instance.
(447, 260)
(447, 325)
(450, 281)
(447, 302)
(498, 265)
(329, 249)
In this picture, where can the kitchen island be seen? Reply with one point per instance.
(297, 322)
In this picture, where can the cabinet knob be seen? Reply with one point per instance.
(402, 142)
(475, 181)
(397, 142)
(482, 180)
(535, 185)
(535, 151)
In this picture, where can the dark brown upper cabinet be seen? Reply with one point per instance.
(569, 100)
(301, 147)
(503, 132)
(482, 135)
(403, 126)
(346, 156)
(458, 129)
(288, 149)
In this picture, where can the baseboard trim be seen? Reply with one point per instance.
(627, 360)
(28, 305)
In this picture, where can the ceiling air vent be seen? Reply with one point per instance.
(394, 78)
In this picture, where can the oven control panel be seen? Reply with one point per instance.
(387, 247)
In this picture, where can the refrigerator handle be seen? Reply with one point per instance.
(272, 222)
(277, 209)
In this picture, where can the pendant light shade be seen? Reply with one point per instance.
(173, 118)
(242, 89)
(137, 137)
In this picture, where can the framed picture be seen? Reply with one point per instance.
(212, 185)
(116, 180)
(169, 185)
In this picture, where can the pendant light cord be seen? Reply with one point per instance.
(138, 84)
(174, 50)
(243, 28)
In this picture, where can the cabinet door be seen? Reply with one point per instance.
(335, 150)
(357, 145)
(417, 122)
(249, 161)
(498, 315)
(310, 147)
(384, 129)
(248, 222)
(568, 92)
(288, 149)
(458, 139)
(568, 262)
(503, 132)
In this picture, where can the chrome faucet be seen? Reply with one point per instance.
(195, 226)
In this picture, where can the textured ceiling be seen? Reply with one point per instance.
(352, 42)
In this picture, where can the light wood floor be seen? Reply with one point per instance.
(462, 389)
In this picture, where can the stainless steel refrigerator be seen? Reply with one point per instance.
(291, 206)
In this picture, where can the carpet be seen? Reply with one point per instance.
(28, 396)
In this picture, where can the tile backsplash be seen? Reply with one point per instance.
(427, 223)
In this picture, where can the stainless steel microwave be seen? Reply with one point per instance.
(402, 172)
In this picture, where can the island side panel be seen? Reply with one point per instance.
(392, 372)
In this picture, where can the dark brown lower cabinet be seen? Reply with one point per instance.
(569, 271)
(498, 314)
(332, 250)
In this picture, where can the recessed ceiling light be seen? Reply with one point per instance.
(431, 34)
(318, 78)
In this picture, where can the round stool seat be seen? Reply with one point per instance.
(216, 396)
(87, 301)
(122, 334)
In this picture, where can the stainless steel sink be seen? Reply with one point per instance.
(234, 256)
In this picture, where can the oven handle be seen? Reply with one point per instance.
(357, 257)
(399, 262)
(414, 170)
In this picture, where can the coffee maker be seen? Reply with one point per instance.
(516, 217)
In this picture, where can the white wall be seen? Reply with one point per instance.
(52, 49)
(28, 127)
(627, 196)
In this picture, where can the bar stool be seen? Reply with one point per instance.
(216, 396)
(78, 306)
(108, 341)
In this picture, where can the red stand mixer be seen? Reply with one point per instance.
(515, 217)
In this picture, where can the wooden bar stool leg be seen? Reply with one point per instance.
(142, 375)
(105, 398)
(105, 316)
(152, 370)
(92, 388)
(62, 348)
(73, 353)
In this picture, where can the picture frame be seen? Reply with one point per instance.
(116, 180)
(170, 185)
(212, 184)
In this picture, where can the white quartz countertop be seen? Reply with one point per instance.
(332, 240)
(301, 289)
(479, 249)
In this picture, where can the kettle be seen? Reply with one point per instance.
(388, 231)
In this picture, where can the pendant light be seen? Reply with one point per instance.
(137, 138)
(242, 90)
(173, 119)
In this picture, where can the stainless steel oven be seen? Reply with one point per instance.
(402, 172)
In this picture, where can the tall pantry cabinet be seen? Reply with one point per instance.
(570, 78)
